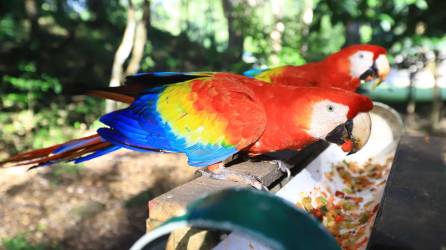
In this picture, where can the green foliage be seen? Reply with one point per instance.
(58, 122)
(325, 39)
(66, 47)
(20, 242)
(35, 114)
(29, 88)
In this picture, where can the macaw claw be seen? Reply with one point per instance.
(283, 167)
(225, 174)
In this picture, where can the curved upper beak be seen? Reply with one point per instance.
(353, 134)
(378, 71)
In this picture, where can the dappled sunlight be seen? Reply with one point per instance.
(101, 205)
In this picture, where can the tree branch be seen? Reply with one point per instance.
(123, 51)
(140, 40)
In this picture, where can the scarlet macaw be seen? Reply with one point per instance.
(213, 117)
(344, 69)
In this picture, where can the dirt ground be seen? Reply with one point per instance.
(101, 205)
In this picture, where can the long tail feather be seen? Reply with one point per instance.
(78, 149)
(112, 93)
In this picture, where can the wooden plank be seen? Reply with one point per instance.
(413, 209)
(175, 201)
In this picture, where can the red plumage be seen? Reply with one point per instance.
(256, 117)
(333, 71)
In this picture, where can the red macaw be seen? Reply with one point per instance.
(344, 69)
(211, 118)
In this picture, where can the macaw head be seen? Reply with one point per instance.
(364, 62)
(339, 116)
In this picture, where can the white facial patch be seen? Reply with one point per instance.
(326, 115)
(360, 62)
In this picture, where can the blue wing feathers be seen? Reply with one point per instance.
(253, 72)
(125, 121)
(117, 138)
(140, 127)
(72, 145)
(208, 155)
(98, 153)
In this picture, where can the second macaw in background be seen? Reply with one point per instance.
(344, 69)
(213, 117)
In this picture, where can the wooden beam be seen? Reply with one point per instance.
(176, 200)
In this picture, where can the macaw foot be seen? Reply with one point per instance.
(282, 166)
(219, 172)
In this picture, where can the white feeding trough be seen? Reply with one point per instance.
(343, 191)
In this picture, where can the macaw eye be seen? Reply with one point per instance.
(330, 108)
(361, 55)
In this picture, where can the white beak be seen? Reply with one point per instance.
(360, 134)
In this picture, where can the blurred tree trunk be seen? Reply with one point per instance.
(352, 32)
(436, 92)
(307, 19)
(140, 40)
(411, 102)
(276, 34)
(98, 8)
(122, 53)
(135, 36)
(32, 14)
(184, 14)
(235, 34)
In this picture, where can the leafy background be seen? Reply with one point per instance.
(53, 50)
